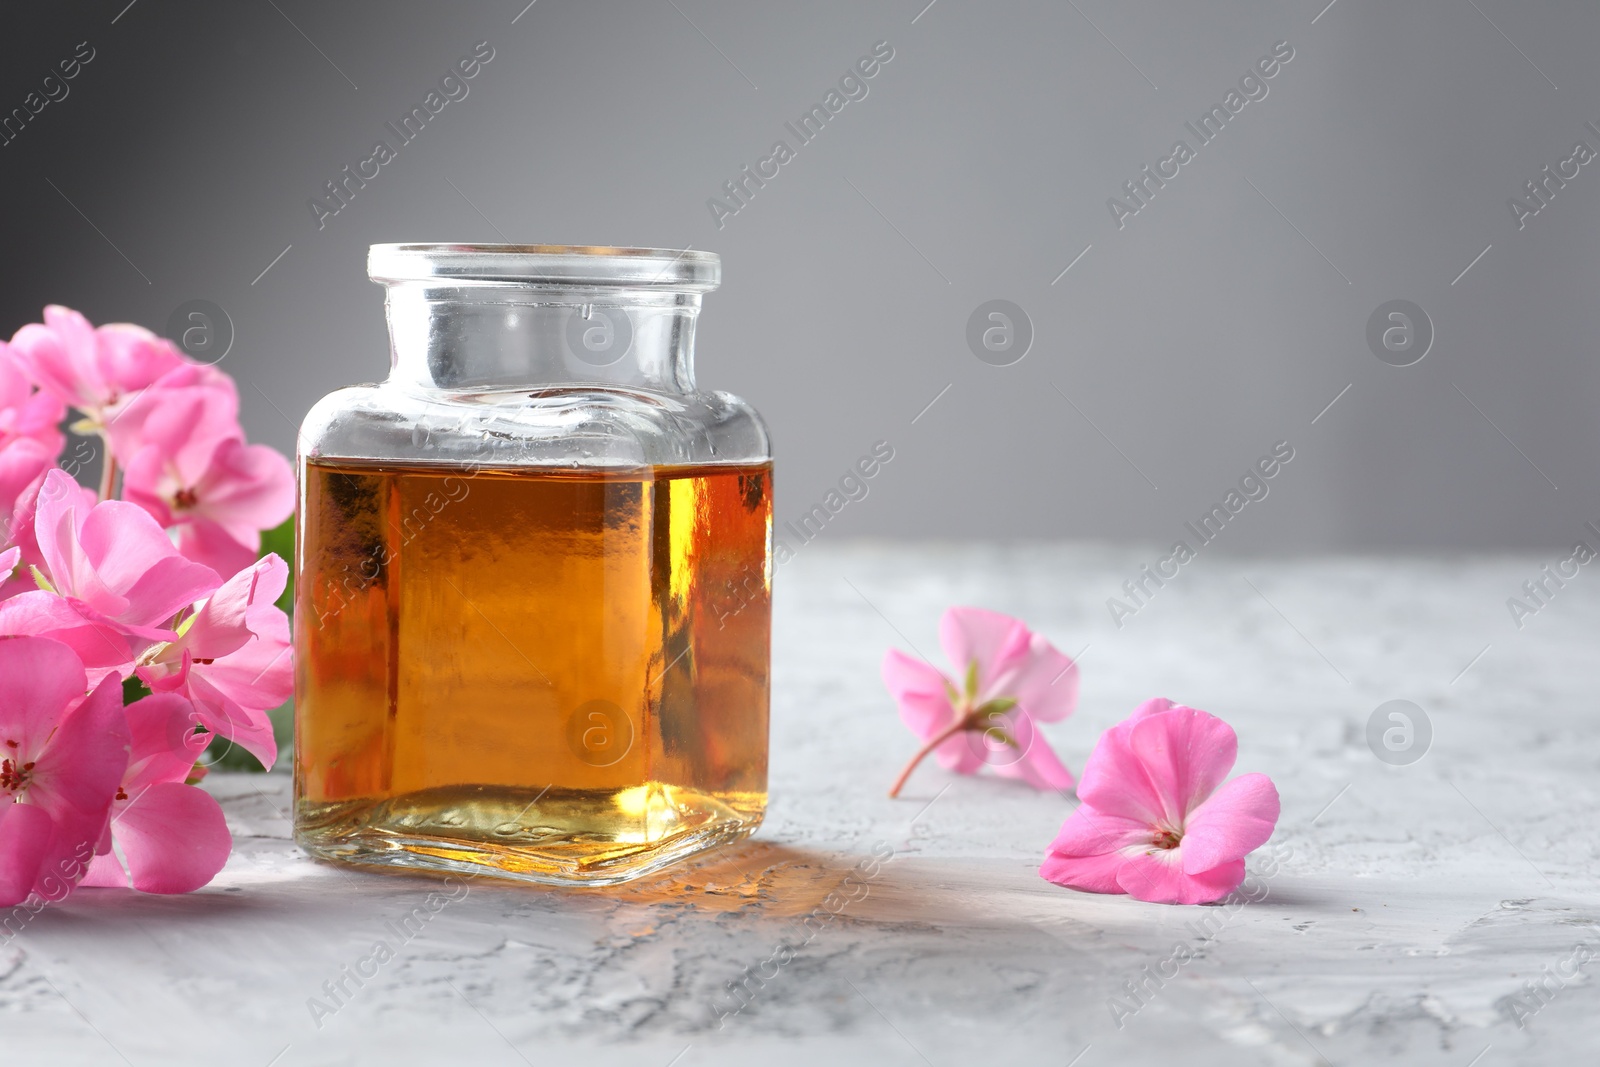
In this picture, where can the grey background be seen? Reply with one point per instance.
(1225, 316)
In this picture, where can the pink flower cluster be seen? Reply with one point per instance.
(1155, 820)
(161, 584)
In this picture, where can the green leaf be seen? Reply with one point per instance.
(133, 688)
(280, 541)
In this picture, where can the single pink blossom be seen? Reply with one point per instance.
(93, 370)
(115, 560)
(233, 659)
(167, 837)
(1009, 679)
(99, 644)
(61, 757)
(1156, 820)
(26, 413)
(116, 580)
(194, 472)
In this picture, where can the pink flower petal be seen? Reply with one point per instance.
(1040, 767)
(60, 358)
(1045, 682)
(39, 419)
(1159, 878)
(223, 625)
(959, 755)
(15, 388)
(1157, 766)
(98, 644)
(211, 544)
(1090, 874)
(1115, 781)
(1153, 706)
(164, 744)
(920, 691)
(105, 872)
(1030, 758)
(23, 532)
(1188, 753)
(21, 461)
(77, 773)
(987, 638)
(251, 666)
(134, 556)
(1088, 832)
(58, 517)
(132, 358)
(1232, 823)
(926, 715)
(38, 679)
(25, 832)
(173, 837)
(247, 488)
(166, 432)
(903, 674)
(219, 711)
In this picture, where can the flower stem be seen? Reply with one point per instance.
(108, 471)
(963, 723)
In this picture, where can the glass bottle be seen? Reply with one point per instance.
(533, 595)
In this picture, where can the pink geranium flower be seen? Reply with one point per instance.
(61, 757)
(93, 370)
(95, 589)
(233, 659)
(1156, 820)
(168, 837)
(1008, 678)
(114, 560)
(193, 471)
(115, 579)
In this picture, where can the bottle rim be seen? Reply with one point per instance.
(587, 266)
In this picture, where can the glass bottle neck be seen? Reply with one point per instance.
(484, 337)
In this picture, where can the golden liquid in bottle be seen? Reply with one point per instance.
(554, 675)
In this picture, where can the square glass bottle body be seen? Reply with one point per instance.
(520, 659)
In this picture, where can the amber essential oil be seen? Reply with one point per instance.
(550, 674)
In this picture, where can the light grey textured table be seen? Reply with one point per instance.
(1412, 906)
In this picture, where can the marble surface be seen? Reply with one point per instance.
(1409, 908)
